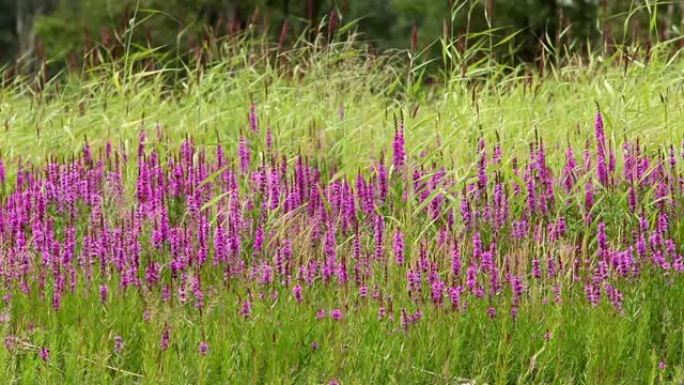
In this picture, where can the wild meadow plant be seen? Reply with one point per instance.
(267, 265)
(279, 226)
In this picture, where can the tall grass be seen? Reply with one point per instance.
(337, 106)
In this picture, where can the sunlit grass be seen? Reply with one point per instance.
(338, 107)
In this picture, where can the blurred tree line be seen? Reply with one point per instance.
(62, 30)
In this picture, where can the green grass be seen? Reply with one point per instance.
(300, 100)
(275, 346)
(301, 104)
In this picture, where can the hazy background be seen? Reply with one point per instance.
(62, 30)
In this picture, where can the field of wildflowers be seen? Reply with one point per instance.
(262, 227)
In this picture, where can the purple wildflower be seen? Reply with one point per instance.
(297, 292)
(203, 348)
(44, 353)
(118, 344)
(336, 314)
(398, 246)
(243, 155)
(320, 314)
(246, 310)
(253, 118)
(399, 147)
(165, 338)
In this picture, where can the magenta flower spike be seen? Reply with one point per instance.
(399, 147)
(253, 118)
(336, 314)
(44, 353)
(203, 348)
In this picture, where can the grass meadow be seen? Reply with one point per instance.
(324, 215)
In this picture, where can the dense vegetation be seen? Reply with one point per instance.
(321, 213)
(62, 30)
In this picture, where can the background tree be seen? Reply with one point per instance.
(65, 28)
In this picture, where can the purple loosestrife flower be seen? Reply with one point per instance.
(551, 267)
(593, 294)
(118, 344)
(416, 316)
(259, 238)
(383, 188)
(601, 272)
(398, 146)
(662, 223)
(455, 261)
(379, 235)
(330, 251)
(297, 293)
(482, 171)
(266, 274)
(471, 277)
(600, 134)
(536, 270)
(104, 292)
(602, 241)
(197, 292)
(269, 140)
(455, 297)
(11, 342)
(588, 197)
(203, 348)
(398, 246)
(165, 338)
(520, 229)
(487, 261)
(614, 296)
(253, 118)
(414, 282)
(246, 310)
(152, 273)
(477, 247)
(517, 288)
(611, 161)
(466, 213)
(336, 314)
(243, 155)
(437, 292)
(531, 191)
(382, 312)
(405, 319)
(496, 156)
(500, 206)
(601, 168)
(632, 199)
(44, 353)
(569, 170)
(320, 314)
(342, 274)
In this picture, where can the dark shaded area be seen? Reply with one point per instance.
(63, 30)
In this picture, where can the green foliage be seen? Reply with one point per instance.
(301, 100)
(67, 27)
